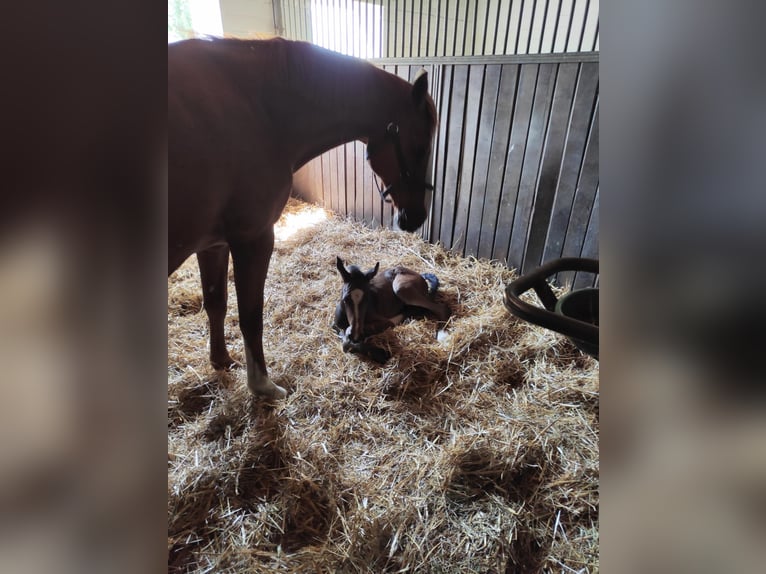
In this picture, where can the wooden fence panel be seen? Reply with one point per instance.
(589, 248)
(519, 130)
(530, 168)
(470, 129)
(549, 168)
(443, 101)
(583, 201)
(574, 149)
(479, 189)
(453, 158)
(499, 152)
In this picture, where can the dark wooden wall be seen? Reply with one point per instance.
(515, 160)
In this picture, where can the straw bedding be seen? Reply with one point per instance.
(478, 453)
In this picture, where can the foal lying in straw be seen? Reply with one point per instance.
(372, 302)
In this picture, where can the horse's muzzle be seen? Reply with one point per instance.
(409, 220)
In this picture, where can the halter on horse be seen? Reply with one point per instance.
(242, 117)
(372, 302)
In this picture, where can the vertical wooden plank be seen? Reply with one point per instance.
(343, 181)
(351, 194)
(529, 26)
(466, 18)
(550, 166)
(326, 187)
(479, 190)
(453, 158)
(508, 27)
(576, 26)
(377, 212)
(440, 148)
(470, 131)
(520, 28)
(590, 26)
(512, 176)
(489, 29)
(340, 177)
(337, 178)
(562, 26)
(498, 29)
(359, 193)
(531, 165)
(583, 26)
(317, 167)
(333, 160)
(590, 246)
(435, 51)
(582, 109)
(424, 230)
(498, 153)
(583, 201)
(329, 168)
(477, 32)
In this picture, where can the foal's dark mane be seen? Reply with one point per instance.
(358, 277)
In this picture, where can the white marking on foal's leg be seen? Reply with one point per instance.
(442, 335)
(258, 382)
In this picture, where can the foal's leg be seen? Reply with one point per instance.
(413, 291)
(213, 270)
(251, 262)
(341, 321)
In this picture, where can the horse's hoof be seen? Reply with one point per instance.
(268, 391)
(224, 363)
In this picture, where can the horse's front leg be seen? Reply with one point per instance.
(213, 269)
(251, 263)
(340, 323)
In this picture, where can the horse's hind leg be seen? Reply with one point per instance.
(213, 269)
(251, 262)
(412, 290)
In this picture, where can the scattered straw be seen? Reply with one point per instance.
(475, 454)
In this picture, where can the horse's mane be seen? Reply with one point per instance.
(303, 64)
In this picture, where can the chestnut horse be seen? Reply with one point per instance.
(242, 117)
(372, 302)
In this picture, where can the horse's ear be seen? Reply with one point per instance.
(420, 88)
(342, 269)
(372, 272)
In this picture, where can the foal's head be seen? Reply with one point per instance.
(355, 296)
(400, 153)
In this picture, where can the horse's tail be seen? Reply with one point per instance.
(432, 280)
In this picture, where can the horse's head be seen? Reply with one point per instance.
(354, 297)
(399, 155)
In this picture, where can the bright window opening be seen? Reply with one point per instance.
(353, 28)
(193, 18)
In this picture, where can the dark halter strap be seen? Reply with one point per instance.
(392, 136)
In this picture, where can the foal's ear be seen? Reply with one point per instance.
(420, 88)
(342, 269)
(372, 272)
